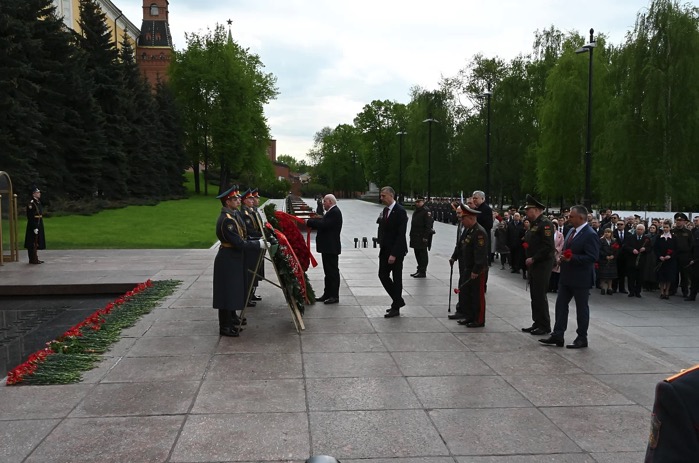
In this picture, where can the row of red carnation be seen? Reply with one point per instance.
(93, 322)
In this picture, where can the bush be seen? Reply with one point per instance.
(311, 190)
(276, 189)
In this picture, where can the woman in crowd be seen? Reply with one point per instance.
(501, 246)
(650, 282)
(608, 253)
(666, 263)
(558, 240)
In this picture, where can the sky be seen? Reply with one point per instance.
(331, 58)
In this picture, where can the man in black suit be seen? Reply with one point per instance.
(635, 249)
(675, 420)
(393, 223)
(580, 252)
(328, 245)
(619, 232)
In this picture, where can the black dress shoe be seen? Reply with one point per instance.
(530, 329)
(237, 322)
(551, 341)
(474, 325)
(610, 292)
(464, 322)
(322, 298)
(255, 297)
(229, 331)
(638, 295)
(252, 304)
(332, 300)
(577, 344)
(392, 313)
(539, 332)
(456, 316)
(420, 275)
(414, 274)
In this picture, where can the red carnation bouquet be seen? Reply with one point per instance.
(615, 246)
(567, 254)
(525, 245)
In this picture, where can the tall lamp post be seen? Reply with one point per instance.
(400, 166)
(430, 120)
(588, 48)
(488, 94)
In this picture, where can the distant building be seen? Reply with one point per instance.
(117, 22)
(154, 49)
(281, 170)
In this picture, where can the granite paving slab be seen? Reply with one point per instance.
(366, 393)
(19, 438)
(349, 364)
(342, 343)
(253, 366)
(467, 392)
(37, 402)
(141, 369)
(250, 396)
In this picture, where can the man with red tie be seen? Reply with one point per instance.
(393, 224)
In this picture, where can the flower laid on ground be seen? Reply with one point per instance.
(64, 359)
(567, 254)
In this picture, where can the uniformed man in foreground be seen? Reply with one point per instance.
(230, 289)
(421, 232)
(683, 253)
(674, 435)
(472, 253)
(34, 238)
(540, 253)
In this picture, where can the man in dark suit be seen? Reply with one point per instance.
(675, 420)
(635, 249)
(393, 223)
(619, 232)
(328, 245)
(580, 252)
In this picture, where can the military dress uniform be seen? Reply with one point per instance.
(421, 232)
(229, 285)
(254, 232)
(674, 435)
(541, 249)
(34, 237)
(683, 254)
(472, 253)
(694, 266)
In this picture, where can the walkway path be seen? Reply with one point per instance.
(353, 385)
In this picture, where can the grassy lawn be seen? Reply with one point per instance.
(181, 224)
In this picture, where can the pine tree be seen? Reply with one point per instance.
(171, 139)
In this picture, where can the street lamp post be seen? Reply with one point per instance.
(488, 94)
(400, 166)
(588, 48)
(430, 120)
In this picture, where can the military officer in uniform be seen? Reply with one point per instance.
(674, 435)
(230, 289)
(256, 208)
(694, 263)
(254, 232)
(539, 252)
(683, 253)
(34, 238)
(472, 253)
(421, 232)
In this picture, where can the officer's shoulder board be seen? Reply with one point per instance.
(682, 373)
(481, 238)
(229, 216)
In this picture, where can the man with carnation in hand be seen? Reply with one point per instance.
(580, 252)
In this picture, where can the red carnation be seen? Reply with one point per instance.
(615, 246)
(669, 252)
(457, 290)
(596, 265)
(568, 254)
(525, 245)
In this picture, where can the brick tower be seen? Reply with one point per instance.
(154, 47)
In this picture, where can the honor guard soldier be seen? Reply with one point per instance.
(674, 435)
(472, 253)
(256, 208)
(34, 238)
(230, 289)
(421, 232)
(683, 252)
(539, 253)
(694, 263)
(254, 232)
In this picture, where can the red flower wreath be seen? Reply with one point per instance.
(287, 223)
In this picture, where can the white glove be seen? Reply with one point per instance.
(263, 244)
(36, 231)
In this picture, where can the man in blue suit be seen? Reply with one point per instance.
(393, 223)
(328, 245)
(580, 252)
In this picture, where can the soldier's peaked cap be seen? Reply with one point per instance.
(533, 202)
(247, 194)
(681, 215)
(232, 192)
(465, 210)
(255, 193)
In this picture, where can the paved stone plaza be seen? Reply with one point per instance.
(354, 384)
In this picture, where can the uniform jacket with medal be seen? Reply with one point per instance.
(540, 244)
(35, 221)
(472, 250)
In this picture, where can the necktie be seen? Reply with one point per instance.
(570, 238)
(385, 213)
(621, 236)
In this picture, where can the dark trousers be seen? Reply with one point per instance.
(422, 258)
(635, 276)
(393, 286)
(539, 275)
(473, 297)
(683, 274)
(619, 282)
(228, 318)
(565, 295)
(332, 275)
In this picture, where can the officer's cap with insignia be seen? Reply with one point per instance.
(465, 210)
(35, 189)
(255, 193)
(232, 192)
(533, 202)
(247, 194)
(681, 216)
(419, 198)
